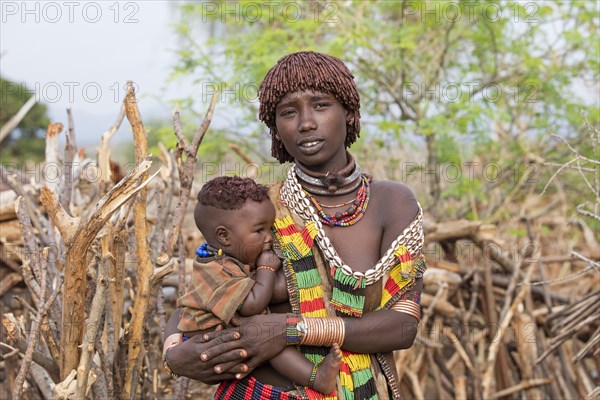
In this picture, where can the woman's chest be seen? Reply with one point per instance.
(358, 246)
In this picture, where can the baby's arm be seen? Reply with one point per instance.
(262, 291)
(280, 292)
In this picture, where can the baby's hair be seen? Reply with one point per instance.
(308, 70)
(231, 192)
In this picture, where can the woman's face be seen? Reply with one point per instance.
(312, 127)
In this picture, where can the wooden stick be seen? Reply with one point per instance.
(107, 356)
(91, 330)
(416, 386)
(52, 160)
(13, 122)
(70, 150)
(13, 351)
(521, 386)
(494, 347)
(460, 387)
(594, 339)
(43, 380)
(104, 151)
(144, 266)
(186, 171)
(78, 235)
(21, 343)
(35, 329)
(557, 341)
(253, 170)
(34, 218)
(459, 349)
(9, 281)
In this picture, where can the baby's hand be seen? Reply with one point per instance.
(268, 259)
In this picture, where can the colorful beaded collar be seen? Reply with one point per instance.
(297, 200)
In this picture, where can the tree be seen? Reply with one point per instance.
(28, 145)
(459, 76)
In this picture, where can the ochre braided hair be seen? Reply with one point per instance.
(308, 70)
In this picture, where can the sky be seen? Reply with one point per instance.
(82, 53)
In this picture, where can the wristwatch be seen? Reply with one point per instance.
(302, 328)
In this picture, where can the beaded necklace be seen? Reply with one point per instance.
(337, 205)
(206, 250)
(344, 181)
(296, 199)
(353, 214)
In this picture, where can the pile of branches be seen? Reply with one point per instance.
(501, 324)
(93, 249)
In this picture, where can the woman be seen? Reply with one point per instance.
(352, 249)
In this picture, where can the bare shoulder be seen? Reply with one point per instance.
(397, 204)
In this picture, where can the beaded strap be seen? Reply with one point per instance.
(313, 376)
(165, 363)
(292, 336)
(412, 237)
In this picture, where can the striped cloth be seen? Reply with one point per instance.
(250, 389)
(214, 291)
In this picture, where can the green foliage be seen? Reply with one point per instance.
(23, 149)
(28, 145)
(487, 79)
(12, 97)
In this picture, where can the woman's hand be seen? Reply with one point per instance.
(231, 353)
(262, 337)
(209, 358)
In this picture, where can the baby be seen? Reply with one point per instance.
(237, 271)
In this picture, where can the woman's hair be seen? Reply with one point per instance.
(231, 192)
(308, 70)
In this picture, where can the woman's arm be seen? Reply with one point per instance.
(209, 359)
(230, 353)
(381, 331)
(387, 330)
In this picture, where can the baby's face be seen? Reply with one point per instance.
(251, 230)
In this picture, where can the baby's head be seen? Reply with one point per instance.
(236, 215)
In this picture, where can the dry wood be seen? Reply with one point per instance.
(521, 386)
(35, 329)
(14, 121)
(459, 229)
(91, 329)
(31, 209)
(252, 166)
(7, 206)
(10, 231)
(104, 150)
(460, 387)
(78, 235)
(9, 281)
(186, 171)
(456, 347)
(19, 342)
(505, 321)
(144, 265)
(53, 173)
(459, 349)
(70, 151)
(43, 381)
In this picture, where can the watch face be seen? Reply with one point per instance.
(301, 327)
